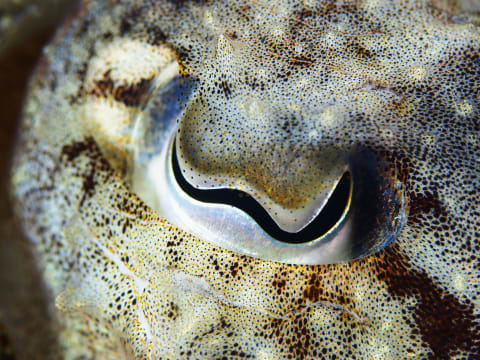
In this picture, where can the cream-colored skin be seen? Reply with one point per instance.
(403, 78)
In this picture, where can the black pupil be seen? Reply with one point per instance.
(326, 219)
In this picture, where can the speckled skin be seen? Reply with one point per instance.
(403, 78)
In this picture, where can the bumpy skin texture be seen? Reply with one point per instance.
(403, 78)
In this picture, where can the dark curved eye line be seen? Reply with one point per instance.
(328, 217)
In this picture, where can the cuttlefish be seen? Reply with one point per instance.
(257, 179)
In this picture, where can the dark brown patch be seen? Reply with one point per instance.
(232, 34)
(134, 94)
(104, 86)
(125, 26)
(225, 89)
(108, 35)
(279, 284)
(156, 36)
(444, 323)
(234, 268)
(88, 185)
(173, 310)
(314, 289)
(129, 94)
(88, 147)
(421, 204)
(364, 52)
(182, 53)
(77, 148)
(301, 339)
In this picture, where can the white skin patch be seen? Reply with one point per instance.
(129, 60)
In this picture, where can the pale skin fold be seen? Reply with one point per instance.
(285, 87)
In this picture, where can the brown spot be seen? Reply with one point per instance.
(225, 88)
(88, 185)
(234, 269)
(84, 26)
(125, 226)
(314, 289)
(132, 95)
(445, 323)
(75, 149)
(279, 285)
(88, 147)
(232, 34)
(125, 26)
(421, 204)
(108, 35)
(104, 86)
(129, 94)
(172, 311)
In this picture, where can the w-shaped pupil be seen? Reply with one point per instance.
(323, 222)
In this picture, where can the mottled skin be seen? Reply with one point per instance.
(403, 78)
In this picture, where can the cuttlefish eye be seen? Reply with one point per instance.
(281, 199)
